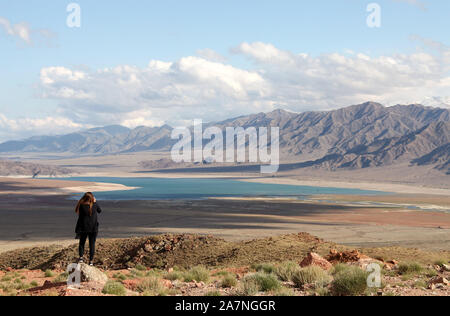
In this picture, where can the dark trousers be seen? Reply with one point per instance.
(92, 239)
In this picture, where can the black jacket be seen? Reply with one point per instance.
(87, 223)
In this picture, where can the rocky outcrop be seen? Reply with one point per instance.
(313, 259)
(354, 258)
(92, 274)
(345, 257)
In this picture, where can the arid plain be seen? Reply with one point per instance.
(416, 214)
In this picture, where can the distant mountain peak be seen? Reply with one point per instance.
(358, 136)
(367, 106)
(110, 129)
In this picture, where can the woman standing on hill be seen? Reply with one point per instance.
(87, 225)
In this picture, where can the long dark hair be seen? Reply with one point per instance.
(87, 199)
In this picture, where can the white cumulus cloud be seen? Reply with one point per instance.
(192, 87)
(26, 127)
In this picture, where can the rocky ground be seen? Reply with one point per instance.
(190, 265)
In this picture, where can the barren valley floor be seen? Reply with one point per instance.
(35, 219)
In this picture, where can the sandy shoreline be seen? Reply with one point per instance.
(383, 187)
(27, 186)
(287, 180)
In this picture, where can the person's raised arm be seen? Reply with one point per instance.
(99, 209)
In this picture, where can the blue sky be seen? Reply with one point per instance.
(132, 33)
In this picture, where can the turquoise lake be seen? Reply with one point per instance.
(161, 189)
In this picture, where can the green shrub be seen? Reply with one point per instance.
(140, 267)
(420, 284)
(222, 273)
(286, 270)
(155, 273)
(6, 287)
(264, 267)
(284, 291)
(16, 285)
(350, 282)
(34, 284)
(159, 292)
(249, 286)
(120, 276)
(431, 273)
(229, 281)
(265, 282)
(338, 268)
(150, 284)
(322, 292)
(199, 274)
(114, 288)
(213, 293)
(410, 268)
(136, 274)
(173, 276)
(6, 278)
(49, 274)
(62, 278)
(311, 275)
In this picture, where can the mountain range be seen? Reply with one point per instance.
(359, 136)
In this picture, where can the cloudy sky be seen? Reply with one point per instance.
(154, 62)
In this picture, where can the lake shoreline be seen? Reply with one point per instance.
(347, 219)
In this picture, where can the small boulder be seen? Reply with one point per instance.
(313, 259)
(92, 274)
(446, 267)
(439, 280)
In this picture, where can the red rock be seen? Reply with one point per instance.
(166, 283)
(131, 284)
(313, 259)
(9, 269)
(346, 256)
(439, 280)
(394, 262)
(47, 284)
